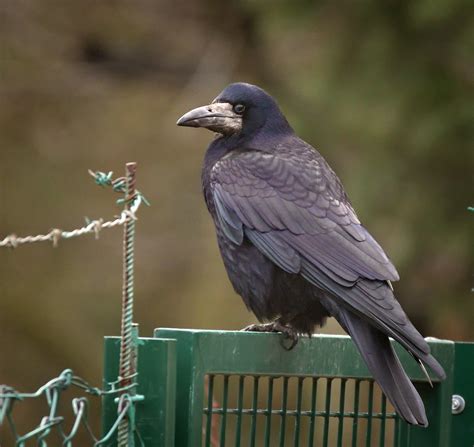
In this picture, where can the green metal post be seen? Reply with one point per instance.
(156, 381)
(189, 387)
(462, 427)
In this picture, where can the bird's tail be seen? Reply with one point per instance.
(386, 368)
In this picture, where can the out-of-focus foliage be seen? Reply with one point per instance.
(383, 89)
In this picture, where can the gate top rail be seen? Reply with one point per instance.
(242, 352)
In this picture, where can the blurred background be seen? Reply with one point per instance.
(382, 89)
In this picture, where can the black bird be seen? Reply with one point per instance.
(292, 244)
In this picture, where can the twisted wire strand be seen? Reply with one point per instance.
(95, 226)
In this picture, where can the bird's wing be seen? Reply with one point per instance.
(294, 210)
(296, 201)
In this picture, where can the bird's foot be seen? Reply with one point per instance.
(290, 334)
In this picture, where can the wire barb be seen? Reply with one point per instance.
(92, 227)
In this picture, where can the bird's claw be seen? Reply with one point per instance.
(288, 332)
(290, 336)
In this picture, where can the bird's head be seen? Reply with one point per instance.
(239, 109)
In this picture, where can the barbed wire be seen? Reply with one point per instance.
(94, 226)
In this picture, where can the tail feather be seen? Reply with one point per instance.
(386, 368)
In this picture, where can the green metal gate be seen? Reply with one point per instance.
(226, 388)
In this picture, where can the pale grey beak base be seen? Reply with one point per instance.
(218, 117)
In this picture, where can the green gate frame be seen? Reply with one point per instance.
(173, 364)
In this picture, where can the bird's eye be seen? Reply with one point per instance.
(239, 109)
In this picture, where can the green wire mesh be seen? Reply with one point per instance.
(53, 423)
(249, 410)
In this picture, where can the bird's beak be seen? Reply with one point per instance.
(218, 117)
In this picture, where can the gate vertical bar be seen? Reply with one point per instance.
(314, 401)
(299, 397)
(268, 421)
(253, 422)
(224, 410)
(210, 406)
(327, 411)
(240, 404)
(342, 398)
